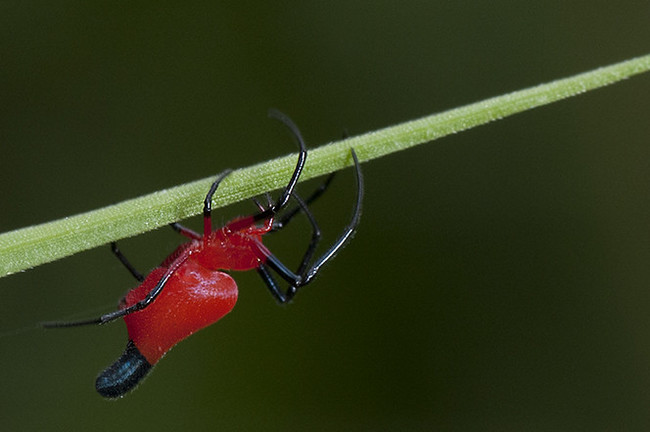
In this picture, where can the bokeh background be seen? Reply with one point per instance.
(500, 279)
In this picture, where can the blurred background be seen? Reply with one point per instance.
(500, 277)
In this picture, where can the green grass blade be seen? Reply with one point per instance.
(28, 247)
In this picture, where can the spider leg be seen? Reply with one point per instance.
(289, 215)
(112, 316)
(207, 204)
(118, 253)
(283, 199)
(315, 235)
(268, 213)
(307, 272)
(184, 231)
(274, 288)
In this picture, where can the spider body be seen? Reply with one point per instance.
(192, 287)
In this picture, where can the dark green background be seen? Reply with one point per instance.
(500, 279)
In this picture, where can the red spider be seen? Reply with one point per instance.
(192, 288)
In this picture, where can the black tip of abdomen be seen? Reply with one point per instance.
(124, 374)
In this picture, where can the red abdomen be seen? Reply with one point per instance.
(193, 298)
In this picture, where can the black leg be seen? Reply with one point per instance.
(112, 316)
(289, 215)
(315, 235)
(348, 232)
(261, 207)
(150, 297)
(136, 274)
(66, 324)
(207, 204)
(306, 275)
(303, 206)
(273, 286)
(283, 199)
(184, 231)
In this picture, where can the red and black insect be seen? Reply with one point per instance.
(192, 288)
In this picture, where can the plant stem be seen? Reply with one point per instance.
(28, 247)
